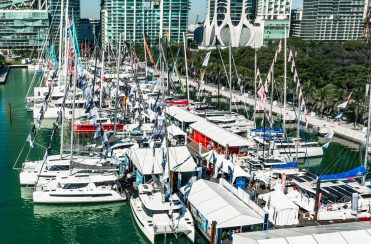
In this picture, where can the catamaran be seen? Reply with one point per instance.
(156, 216)
(100, 188)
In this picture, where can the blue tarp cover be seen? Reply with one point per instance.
(356, 172)
(284, 166)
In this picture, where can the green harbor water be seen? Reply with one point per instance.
(23, 222)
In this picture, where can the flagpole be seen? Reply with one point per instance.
(145, 55)
(367, 135)
(101, 79)
(117, 84)
(285, 82)
(230, 79)
(186, 65)
(60, 45)
(73, 111)
(255, 80)
(65, 73)
(298, 129)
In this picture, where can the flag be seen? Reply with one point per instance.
(261, 93)
(29, 139)
(290, 56)
(293, 66)
(206, 60)
(275, 57)
(339, 116)
(348, 98)
(97, 132)
(114, 159)
(279, 46)
(150, 56)
(326, 145)
(343, 105)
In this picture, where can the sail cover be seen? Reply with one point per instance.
(356, 172)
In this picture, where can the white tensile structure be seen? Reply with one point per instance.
(227, 27)
(245, 22)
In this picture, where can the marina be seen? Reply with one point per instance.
(119, 140)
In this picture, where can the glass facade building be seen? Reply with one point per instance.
(23, 24)
(133, 18)
(54, 11)
(245, 22)
(333, 20)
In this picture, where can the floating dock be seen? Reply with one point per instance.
(4, 70)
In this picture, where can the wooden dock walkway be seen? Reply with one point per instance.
(345, 131)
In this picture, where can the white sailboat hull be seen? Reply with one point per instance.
(67, 197)
(309, 152)
(149, 231)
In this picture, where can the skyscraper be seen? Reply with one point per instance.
(133, 18)
(54, 10)
(245, 22)
(333, 20)
(295, 21)
(23, 24)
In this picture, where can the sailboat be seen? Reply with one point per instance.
(155, 211)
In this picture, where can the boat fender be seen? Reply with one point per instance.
(329, 207)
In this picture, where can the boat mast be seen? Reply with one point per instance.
(186, 65)
(65, 74)
(118, 83)
(218, 75)
(368, 132)
(272, 89)
(255, 81)
(101, 80)
(298, 129)
(60, 44)
(73, 112)
(230, 78)
(285, 81)
(145, 55)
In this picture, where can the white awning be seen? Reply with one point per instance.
(345, 233)
(221, 136)
(181, 160)
(216, 203)
(149, 160)
(239, 172)
(182, 115)
(174, 130)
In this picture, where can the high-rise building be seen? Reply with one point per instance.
(23, 24)
(133, 18)
(54, 10)
(295, 21)
(333, 20)
(274, 16)
(90, 30)
(246, 22)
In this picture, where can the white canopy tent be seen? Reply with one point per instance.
(174, 130)
(345, 233)
(216, 203)
(281, 210)
(221, 136)
(182, 115)
(149, 160)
